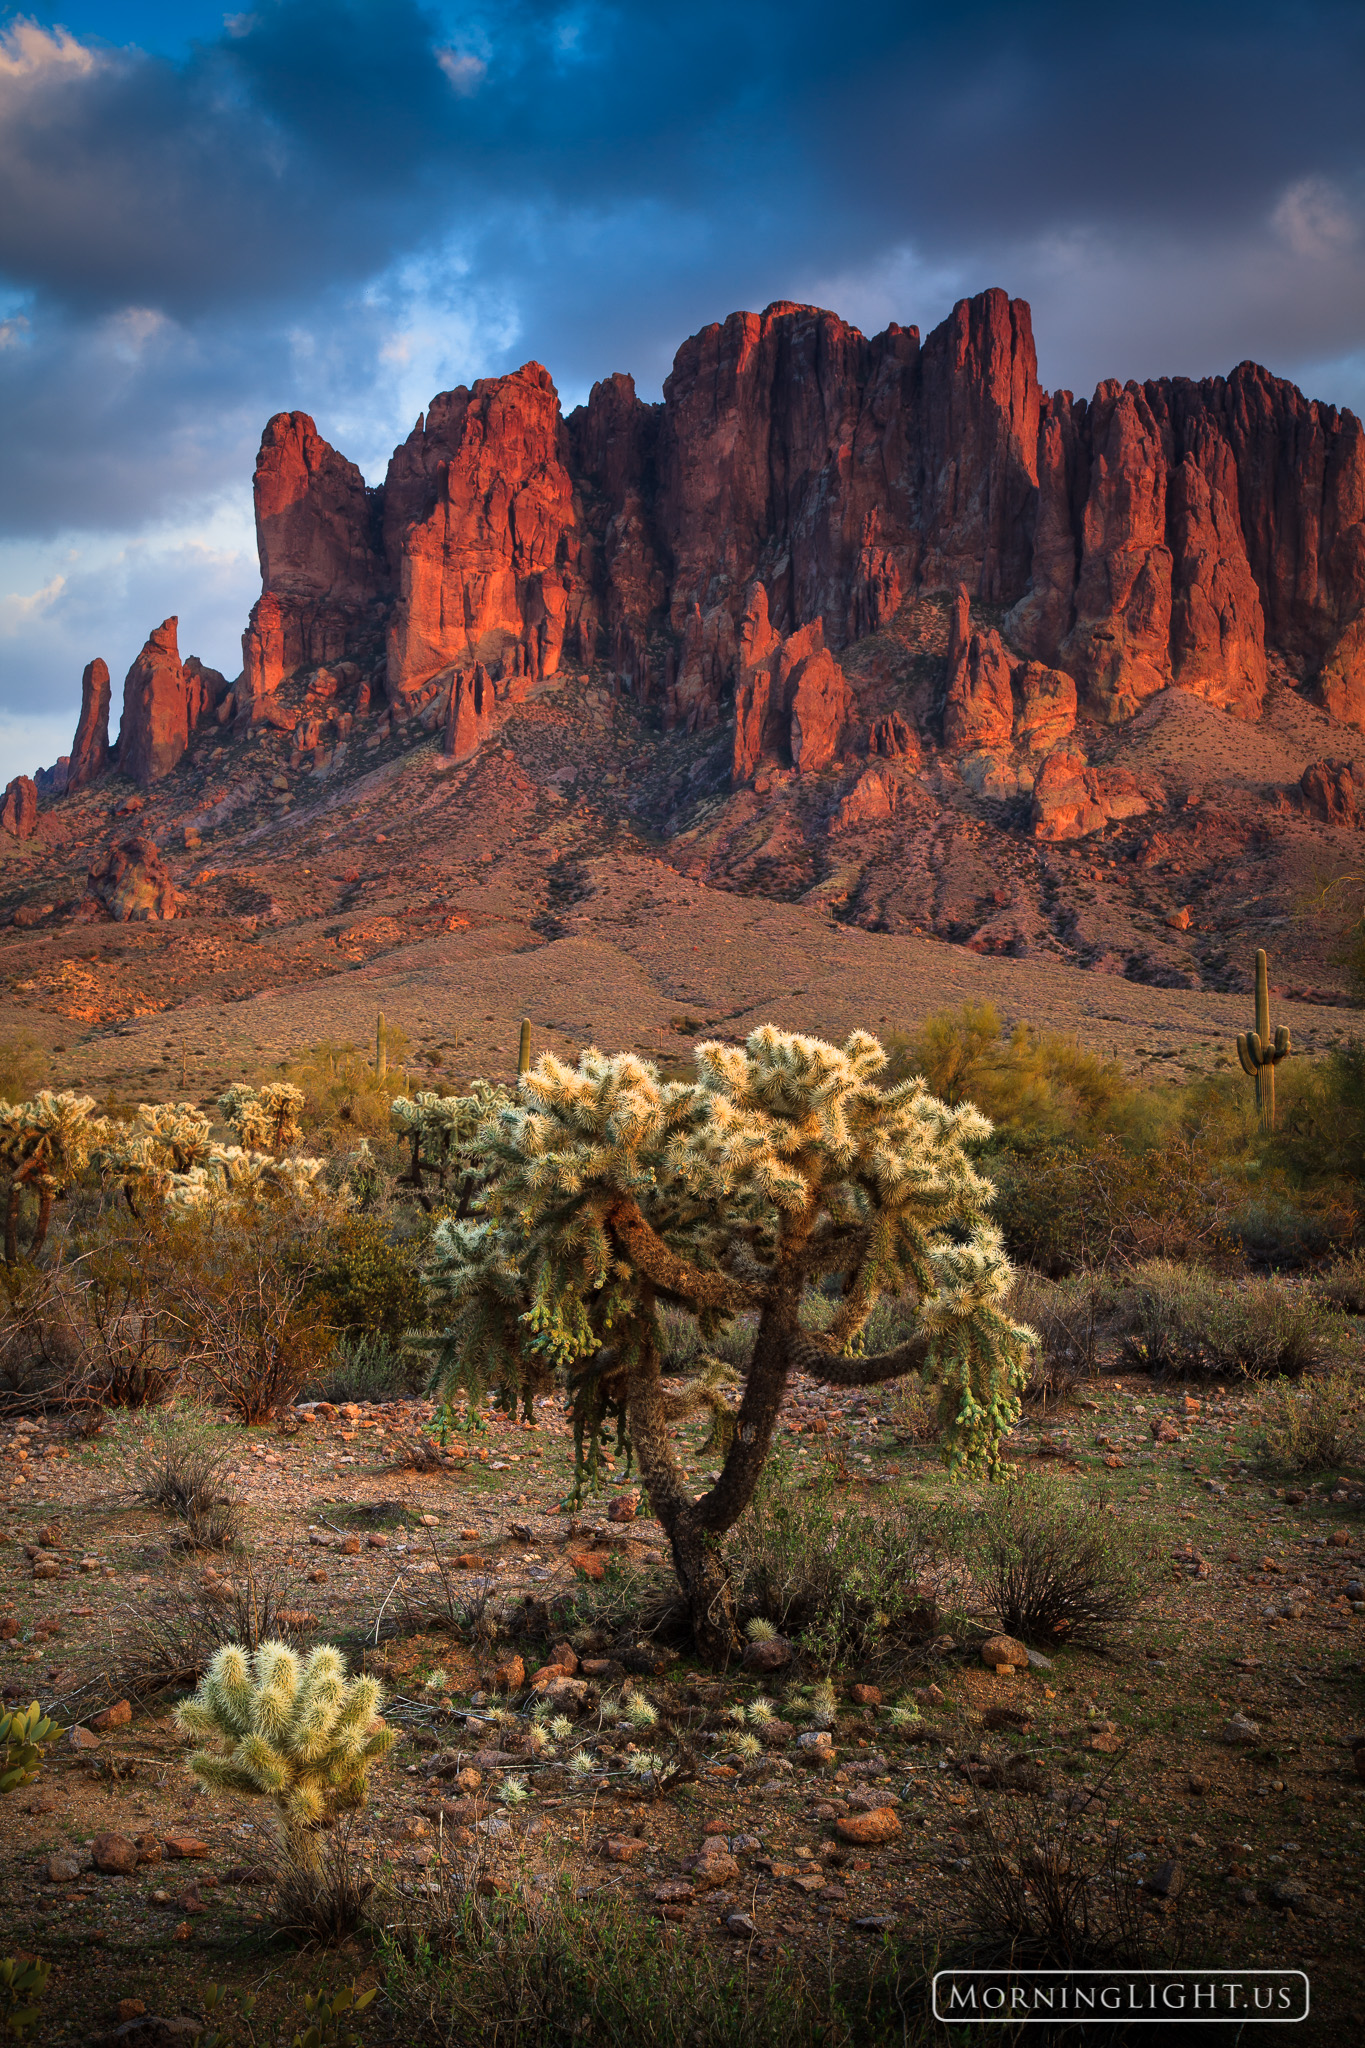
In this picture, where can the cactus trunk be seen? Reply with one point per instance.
(381, 1057)
(524, 1049)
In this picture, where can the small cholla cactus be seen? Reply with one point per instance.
(639, 1711)
(736, 1714)
(561, 1728)
(761, 1711)
(760, 1631)
(643, 1763)
(824, 1706)
(902, 1716)
(299, 1733)
(748, 1746)
(582, 1763)
(436, 1681)
(514, 1791)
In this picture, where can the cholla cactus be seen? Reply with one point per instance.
(610, 1192)
(760, 1631)
(297, 1733)
(265, 1119)
(443, 1130)
(45, 1145)
(166, 1144)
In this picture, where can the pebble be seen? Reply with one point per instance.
(1239, 1732)
(741, 1925)
(117, 1716)
(1003, 1653)
(881, 1825)
(61, 1869)
(81, 1738)
(181, 1847)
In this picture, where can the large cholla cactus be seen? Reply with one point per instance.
(610, 1192)
(299, 1733)
(265, 1119)
(45, 1145)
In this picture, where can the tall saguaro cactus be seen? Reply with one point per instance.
(381, 1050)
(1258, 1052)
(524, 1048)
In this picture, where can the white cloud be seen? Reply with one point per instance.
(29, 52)
(1313, 219)
(18, 607)
(465, 71)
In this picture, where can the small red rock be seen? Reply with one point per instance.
(881, 1825)
(117, 1716)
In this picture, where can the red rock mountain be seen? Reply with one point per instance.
(799, 479)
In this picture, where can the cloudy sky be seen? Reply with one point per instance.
(343, 206)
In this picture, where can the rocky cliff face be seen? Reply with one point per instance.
(1164, 534)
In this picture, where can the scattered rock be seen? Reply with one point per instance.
(114, 1855)
(117, 1716)
(1004, 1653)
(61, 1869)
(81, 1738)
(773, 1654)
(1239, 1732)
(181, 1848)
(623, 1849)
(1167, 1881)
(868, 1829)
(866, 1695)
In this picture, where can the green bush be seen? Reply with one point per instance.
(1315, 1425)
(1341, 1286)
(370, 1369)
(367, 1283)
(1032, 1085)
(1185, 1323)
(1058, 1565)
(844, 1580)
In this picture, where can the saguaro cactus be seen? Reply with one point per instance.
(381, 1056)
(524, 1048)
(1258, 1052)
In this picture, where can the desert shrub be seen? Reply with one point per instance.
(542, 1969)
(847, 1582)
(911, 1407)
(365, 1282)
(1057, 1566)
(1070, 1318)
(321, 1898)
(1185, 1323)
(89, 1328)
(24, 1067)
(1066, 1209)
(1049, 1895)
(369, 1369)
(1032, 1085)
(178, 1466)
(1316, 1424)
(1286, 1229)
(1341, 1286)
(168, 1647)
(343, 1098)
(236, 1300)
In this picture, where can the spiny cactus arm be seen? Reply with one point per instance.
(672, 1275)
(268, 1767)
(358, 1709)
(227, 1691)
(812, 1356)
(221, 1774)
(1248, 1064)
